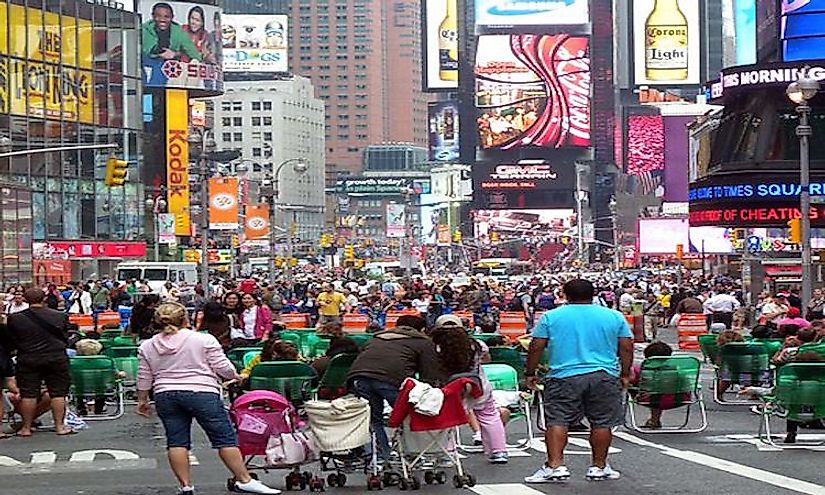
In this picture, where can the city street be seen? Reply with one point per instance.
(126, 457)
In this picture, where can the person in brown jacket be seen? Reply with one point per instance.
(388, 359)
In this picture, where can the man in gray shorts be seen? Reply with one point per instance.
(591, 354)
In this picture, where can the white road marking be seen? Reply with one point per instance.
(538, 445)
(508, 488)
(6, 461)
(90, 455)
(734, 468)
(47, 457)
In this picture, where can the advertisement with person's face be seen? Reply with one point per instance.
(182, 46)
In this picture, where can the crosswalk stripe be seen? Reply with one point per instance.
(508, 488)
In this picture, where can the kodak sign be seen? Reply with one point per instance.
(177, 159)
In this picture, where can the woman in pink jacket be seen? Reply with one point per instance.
(255, 324)
(184, 369)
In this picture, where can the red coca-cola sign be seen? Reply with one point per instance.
(80, 249)
(533, 90)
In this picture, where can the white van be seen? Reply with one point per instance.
(158, 273)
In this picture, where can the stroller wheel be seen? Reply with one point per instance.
(403, 485)
(373, 483)
(342, 479)
(332, 479)
(441, 477)
(470, 480)
(415, 484)
(429, 477)
(458, 482)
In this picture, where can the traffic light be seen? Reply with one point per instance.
(494, 237)
(116, 171)
(349, 252)
(795, 232)
(457, 236)
(326, 240)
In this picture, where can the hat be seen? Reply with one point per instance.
(449, 321)
(718, 327)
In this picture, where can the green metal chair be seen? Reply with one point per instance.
(333, 383)
(665, 383)
(237, 354)
(509, 356)
(707, 344)
(123, 341)
(121, 351)
(745, 364)
(486, 337)
(818, 348)
(249, 356)
(293, 338)
(773, 345)
(95, 377)
(799, 396)
(292, 379)
(309, 341)
(111, 333)
(505, 378)
(321, 347)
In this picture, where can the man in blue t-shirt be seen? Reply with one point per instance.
(591, 354)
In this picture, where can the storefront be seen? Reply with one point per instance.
(70, 77)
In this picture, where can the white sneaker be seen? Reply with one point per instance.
(255, 486)
(546, 474)
(477, 438)
(598, 474)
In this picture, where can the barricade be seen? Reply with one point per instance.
(106, 318)
(392, 317)
(125, 313)
(689, 328)
(512, 325)
(466, 316)
(354, 323)
(85, 323)
(295, 320)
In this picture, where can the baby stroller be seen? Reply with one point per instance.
(427, 442)
(342, 429)
(263, 419)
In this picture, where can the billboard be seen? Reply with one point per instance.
(254, 43)
(661, 235)
(177, 159)
(803, 30)
(504, 13)
(524, 175)
(181, 46)
(645, 144)
(666, 42)
(396, 220)
(530, 225)
(532, 90)
(432, 215)
(59, 84)
(676, 157)
(443, 125)
(223, 203)
(744, 25)
(440, 24)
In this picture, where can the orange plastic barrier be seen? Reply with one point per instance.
(85, 323)
(392, 317)
(295, 320)
(512, 325)
(109, 318)
(689, 328)
(355, 323)
(466, 316)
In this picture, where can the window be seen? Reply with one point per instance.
(256, 105)
(256, 152)
(267, 136)
(256, 121)
(267, 105)
(226, 121)
(226, 137)
(237, 121)
(267, 120)
(237, 137)
(226, 106)
(256, 135)
(237, 106)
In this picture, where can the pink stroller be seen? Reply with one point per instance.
(262, 414)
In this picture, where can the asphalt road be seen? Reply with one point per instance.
(126, 456)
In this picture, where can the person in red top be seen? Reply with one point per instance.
(248, 286)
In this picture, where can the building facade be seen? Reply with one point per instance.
(271, 122)
(70, 77)
(364, 58)
(394, 157)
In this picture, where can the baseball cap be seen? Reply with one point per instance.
(449, 321)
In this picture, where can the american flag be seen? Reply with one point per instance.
(650, 180)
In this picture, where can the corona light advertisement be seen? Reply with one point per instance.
(59, 87)
(223, 203)
(177, 159)
(666, 42)
(257, 224)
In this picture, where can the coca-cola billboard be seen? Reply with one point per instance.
(533, 90)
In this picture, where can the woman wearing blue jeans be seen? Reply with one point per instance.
(183, 368)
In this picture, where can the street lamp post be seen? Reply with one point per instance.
(156, 206)
(800, 92)
(299, 166)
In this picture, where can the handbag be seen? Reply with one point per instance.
(292, 448)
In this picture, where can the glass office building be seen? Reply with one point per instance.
(70, 76)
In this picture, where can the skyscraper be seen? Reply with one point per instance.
(364, 59)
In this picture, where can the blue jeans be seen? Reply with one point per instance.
(376, 392)
(177, 408)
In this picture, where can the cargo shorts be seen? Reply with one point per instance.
(596, 396)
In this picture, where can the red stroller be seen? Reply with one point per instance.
(427, 443)
(262, 414)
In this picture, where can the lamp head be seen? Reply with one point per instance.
(300, 167)
(803, 90)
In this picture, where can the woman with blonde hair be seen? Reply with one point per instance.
(184, 369)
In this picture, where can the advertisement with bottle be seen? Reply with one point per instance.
(440, 45)
(533, 90)
(254, 43)
(182, 46)
(503, 13)
(666, 42)
(803, 30)
(443, 124)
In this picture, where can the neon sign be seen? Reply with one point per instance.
(752, 216)
(757, 190)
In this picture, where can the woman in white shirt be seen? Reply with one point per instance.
(17, 303)
(80, 302)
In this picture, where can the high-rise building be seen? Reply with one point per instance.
(364, 58)
(272, 121)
